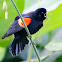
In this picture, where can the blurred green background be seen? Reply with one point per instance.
(48, 39)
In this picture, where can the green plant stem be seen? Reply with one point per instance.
(26, 30)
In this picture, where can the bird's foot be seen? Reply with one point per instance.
(33, 43)
(29, 36)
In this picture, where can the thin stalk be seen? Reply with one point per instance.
(27, 30)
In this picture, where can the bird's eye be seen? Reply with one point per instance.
(45, 14)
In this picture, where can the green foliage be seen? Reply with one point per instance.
(4, 43)
(53, 57)
(54, 45)
(2, 53)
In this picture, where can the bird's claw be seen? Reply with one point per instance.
(33, 43)
(29, 36)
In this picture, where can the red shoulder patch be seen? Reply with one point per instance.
(26, 20)
(42, 23)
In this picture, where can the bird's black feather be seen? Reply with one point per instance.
(20, 40)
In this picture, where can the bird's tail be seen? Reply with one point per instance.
(18, 45)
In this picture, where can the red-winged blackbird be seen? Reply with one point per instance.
(34, 21)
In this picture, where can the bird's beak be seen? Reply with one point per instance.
(46, 16)
(48, 13)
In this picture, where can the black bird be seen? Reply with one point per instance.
(34, 21)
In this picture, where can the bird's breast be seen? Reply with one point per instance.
(34, 26)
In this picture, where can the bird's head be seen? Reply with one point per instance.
(40, 13)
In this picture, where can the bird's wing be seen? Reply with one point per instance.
(17, 26)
